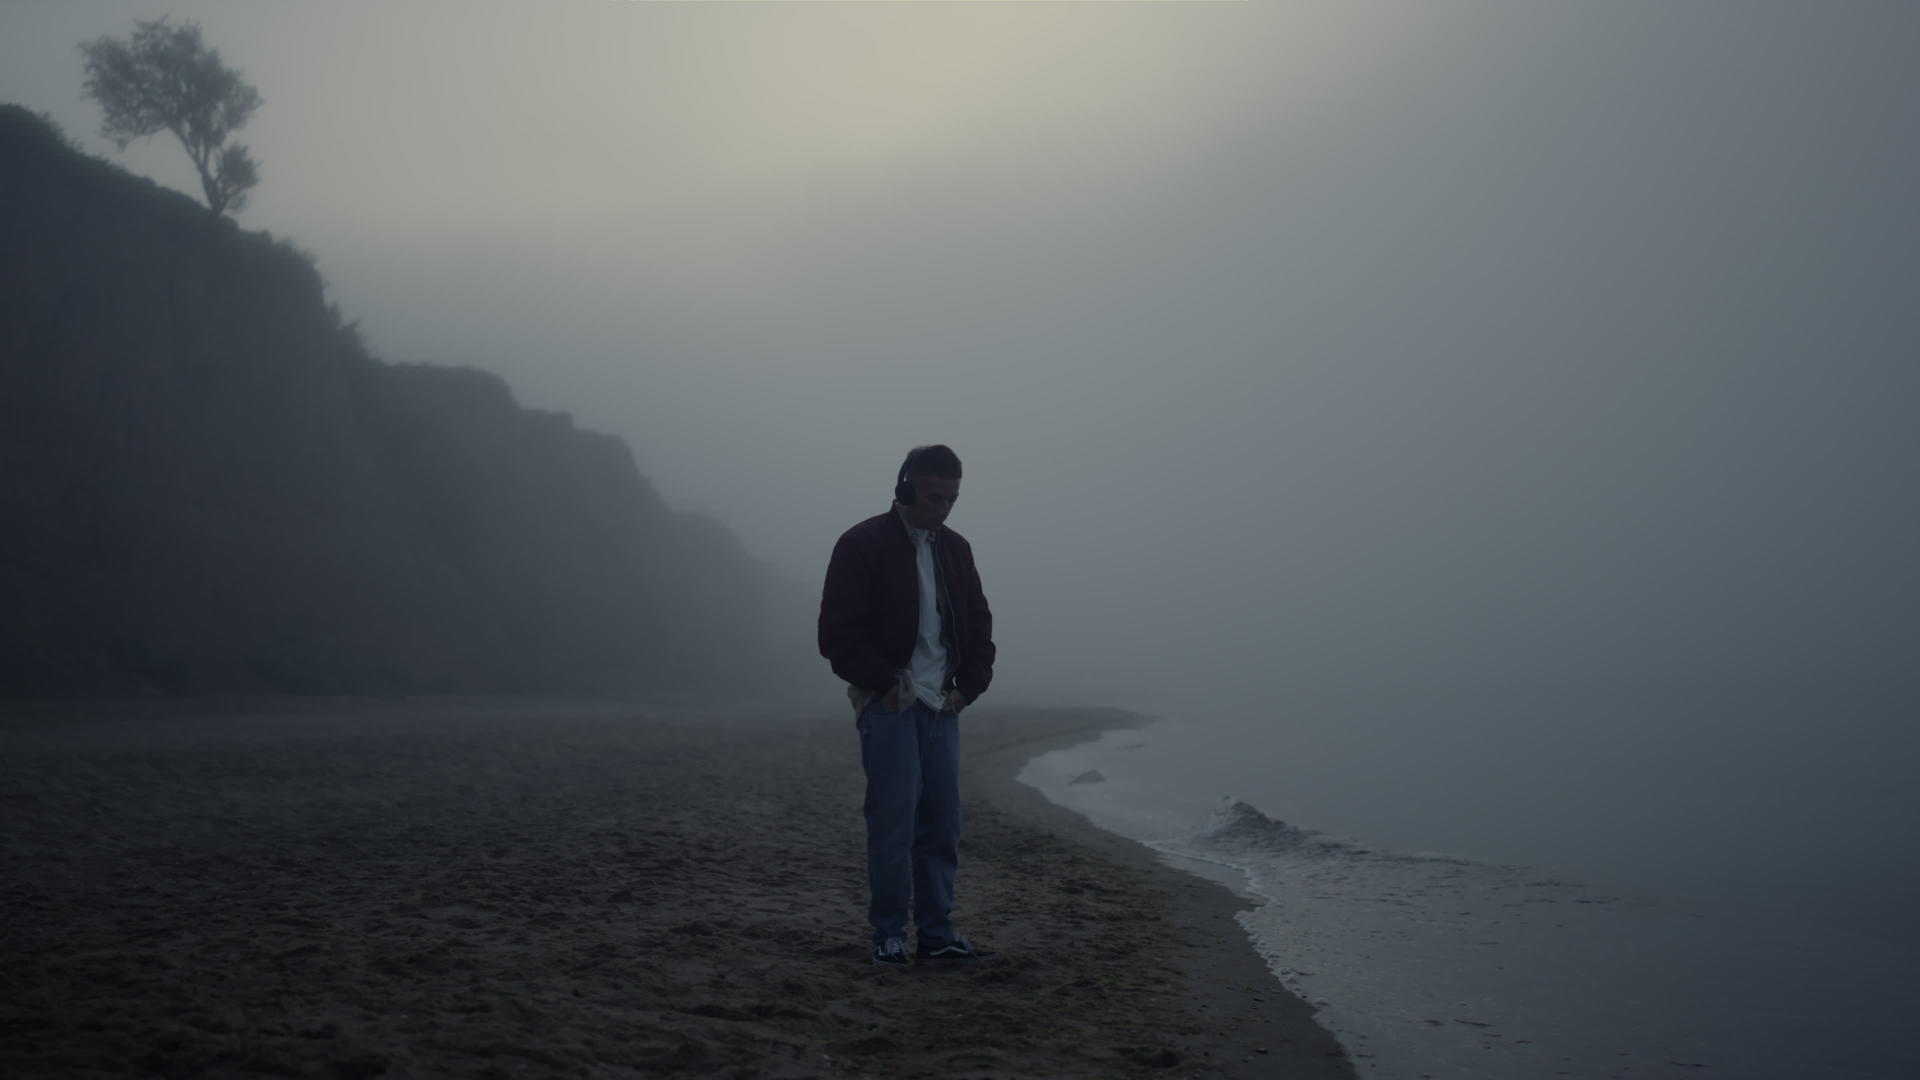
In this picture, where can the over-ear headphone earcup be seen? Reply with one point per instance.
(903, 487)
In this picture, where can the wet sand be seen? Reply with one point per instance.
(509, 888)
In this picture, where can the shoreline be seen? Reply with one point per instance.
(514, 888)
(1246, 1011)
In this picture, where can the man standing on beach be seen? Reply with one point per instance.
(903, 620)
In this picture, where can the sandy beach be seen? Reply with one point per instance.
(502, 888)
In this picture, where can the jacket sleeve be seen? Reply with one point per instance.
(973, 679)
(846, 618)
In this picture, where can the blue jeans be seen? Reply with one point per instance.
(912, 759)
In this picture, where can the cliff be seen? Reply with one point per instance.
(208, 485)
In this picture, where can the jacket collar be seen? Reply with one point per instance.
(895, 511)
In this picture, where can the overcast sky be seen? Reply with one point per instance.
(1476, 344)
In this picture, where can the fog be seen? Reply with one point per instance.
(1385, 377)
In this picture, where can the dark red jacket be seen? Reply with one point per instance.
(870, 607)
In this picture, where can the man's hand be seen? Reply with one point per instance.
(955, 701)
(890, 701)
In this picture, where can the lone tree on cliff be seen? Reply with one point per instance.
(165, 78)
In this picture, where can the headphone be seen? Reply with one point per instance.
(902, 487)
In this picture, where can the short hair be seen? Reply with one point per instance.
(935, 460)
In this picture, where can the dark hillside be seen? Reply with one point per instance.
(207, 484)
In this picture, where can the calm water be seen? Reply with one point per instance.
(1456, 909)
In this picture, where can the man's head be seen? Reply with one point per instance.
(929, 482)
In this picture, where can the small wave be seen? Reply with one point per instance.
(1238, 828)
(1237, 824)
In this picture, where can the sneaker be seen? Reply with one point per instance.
(891, 951)
(957, 949)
